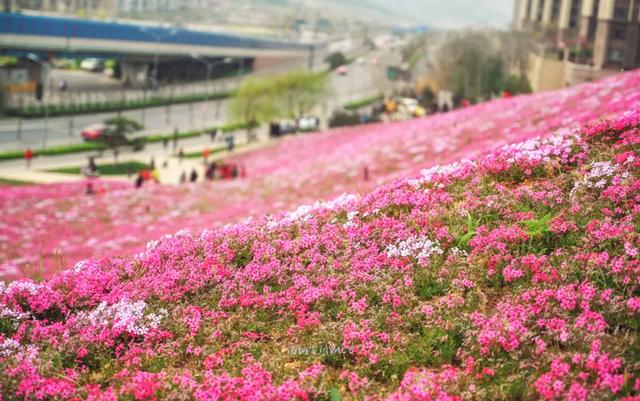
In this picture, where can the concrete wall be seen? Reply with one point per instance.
(545, 73)
(579, 73)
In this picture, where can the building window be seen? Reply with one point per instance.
(618, 33)
(620, 13)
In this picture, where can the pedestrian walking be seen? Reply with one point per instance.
(230, 143)
(175, 139)
(210, 174)
(28, 155)
(89, 188)
(152, 163)
(205, 154)
(183, 177)
(194, 175)
(165, 144)
(139, 180)
(214, 134)
(180, 155)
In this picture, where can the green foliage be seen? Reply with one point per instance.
(335, 60)
(427, 285)
(12, 182)
(538, 227)
(107, 169)
(254, 101)
(516, 85)
(474, 64)
(298, 91)
(360, 103)
(334, 395)
(290, 95)
(117, 132)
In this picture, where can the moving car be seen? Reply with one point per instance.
(342, 70)
(93, 132)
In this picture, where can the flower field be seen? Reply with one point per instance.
(513, 275)
(45, 229)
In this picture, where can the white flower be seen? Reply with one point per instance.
(420, 248)
(126, 315)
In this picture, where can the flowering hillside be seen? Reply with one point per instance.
(45, 228)
(513, 276)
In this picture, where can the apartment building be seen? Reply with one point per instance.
(591, 38)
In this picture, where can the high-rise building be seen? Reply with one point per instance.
(593, 37)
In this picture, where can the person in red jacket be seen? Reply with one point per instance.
(28, 155)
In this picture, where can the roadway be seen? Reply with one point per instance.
(363, 79)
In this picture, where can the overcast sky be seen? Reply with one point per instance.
(453, 13)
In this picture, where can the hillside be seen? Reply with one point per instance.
(511, 276)
(49, 228)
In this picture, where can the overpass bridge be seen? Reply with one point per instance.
(134, 45)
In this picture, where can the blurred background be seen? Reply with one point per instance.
(197, 113)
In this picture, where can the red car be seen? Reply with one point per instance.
(93, 132)
(342, 70)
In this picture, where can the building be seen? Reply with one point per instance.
(590, 38)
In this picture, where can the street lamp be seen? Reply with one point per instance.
(44, 75)
(210, 65)
(157, 37)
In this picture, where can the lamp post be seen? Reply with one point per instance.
(44, 76)
(157, 37)
(210, 65)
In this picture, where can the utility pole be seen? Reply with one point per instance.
(156, 56)
(40, 91)
(312, 51)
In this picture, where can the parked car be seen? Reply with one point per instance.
(92, 64)
(93, 132)
(287, 126)
(308, 123)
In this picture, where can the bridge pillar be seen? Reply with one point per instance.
(134, 73)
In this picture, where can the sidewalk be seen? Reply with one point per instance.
(169, 175)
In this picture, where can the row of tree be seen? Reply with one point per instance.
(289, 95)
(479, 64)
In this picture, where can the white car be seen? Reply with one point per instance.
(308, 123)
(92, 64)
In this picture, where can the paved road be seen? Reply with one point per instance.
(361, 81)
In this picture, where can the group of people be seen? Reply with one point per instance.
(214, 170)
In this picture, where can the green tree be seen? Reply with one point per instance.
(254, 102)
(335, 60)
(299, 91)
(293, 94)
(117, 135)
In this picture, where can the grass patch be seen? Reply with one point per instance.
(121, 168)
(8, 182)
(360, 103)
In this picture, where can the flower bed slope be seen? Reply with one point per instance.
(42, 231)
(512, 276)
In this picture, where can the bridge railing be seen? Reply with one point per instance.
(124, 97)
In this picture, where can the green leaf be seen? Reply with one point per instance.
(334, 395)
